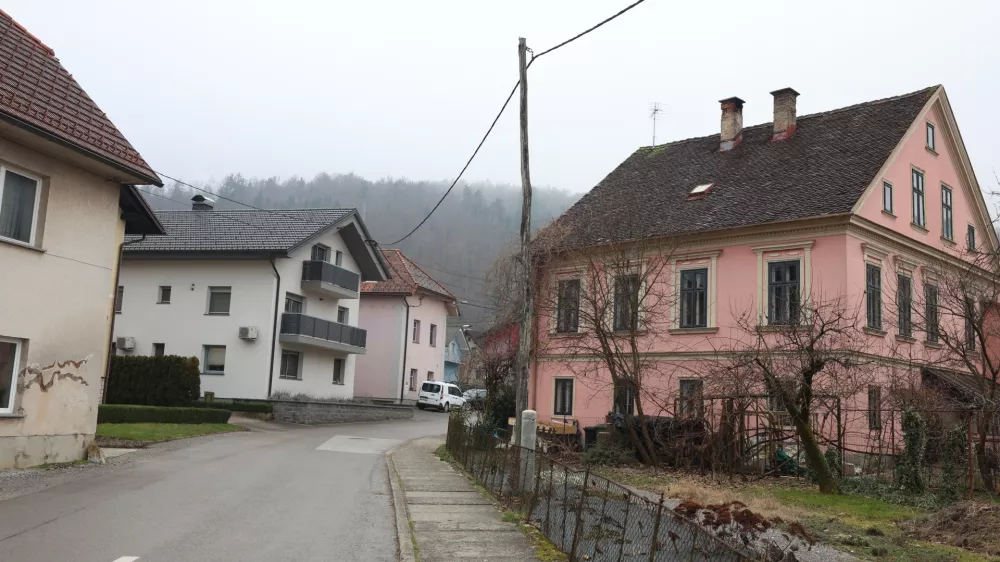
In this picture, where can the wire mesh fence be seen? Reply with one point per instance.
(585, 515)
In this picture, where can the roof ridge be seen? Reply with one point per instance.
(346, 209)
(31, 35)
(799, 118)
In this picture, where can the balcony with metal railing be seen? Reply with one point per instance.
(302, 330)
(327, 279)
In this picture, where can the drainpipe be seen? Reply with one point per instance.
(406, 340)
(274, 331)
(114, 316)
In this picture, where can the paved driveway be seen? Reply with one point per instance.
(297, 494)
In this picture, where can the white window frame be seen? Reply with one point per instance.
(208, 302)
(639, 270)
(338, 258)
(18, 346)
(204, 362)
(162, 345)
(566, 274)
(34, 212)
(430, 375)
(572, 405)
(701, 260)
(413, 386)
(347, 315)
(887, 187)
(432, 335)
(930, 136)
(159, 294)
(790, 251)
(289, 296)
(119, 297)
(312, 252)
(298, 365)
(416, 332)
(923, 198)
(946, 189)
(339, 378)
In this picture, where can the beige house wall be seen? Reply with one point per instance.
(56, 299)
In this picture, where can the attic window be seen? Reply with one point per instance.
(700, 190)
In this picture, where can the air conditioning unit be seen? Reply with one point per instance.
(126, 344)
(248, 333)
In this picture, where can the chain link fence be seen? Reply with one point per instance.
(587, 516)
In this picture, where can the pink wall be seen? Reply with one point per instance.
(938, 168)
(422, 356)
(376, 373)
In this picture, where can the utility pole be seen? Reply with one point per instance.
(524, 334)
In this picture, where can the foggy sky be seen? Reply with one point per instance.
(406, 88)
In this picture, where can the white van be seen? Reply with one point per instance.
(443, 395)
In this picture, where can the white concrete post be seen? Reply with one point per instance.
(529, 437)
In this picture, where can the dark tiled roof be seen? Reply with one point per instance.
(237, 231)
(35, 89)
(407, 278)
(822, 169)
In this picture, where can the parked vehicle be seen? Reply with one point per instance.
(475, 398)
(443, 395)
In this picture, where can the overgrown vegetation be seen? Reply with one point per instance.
(121, 413)
(166, 380)
(251, 407)
(955, 448)
(911, 472)
(611, 452)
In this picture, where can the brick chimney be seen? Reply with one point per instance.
(732, 123)
(784, 113)
(202, 203)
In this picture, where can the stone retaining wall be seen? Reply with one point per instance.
(323, 412)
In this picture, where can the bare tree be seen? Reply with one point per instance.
(607, 310)
(959, 314)
(816, 349)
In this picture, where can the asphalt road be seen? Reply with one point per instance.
(296, 494)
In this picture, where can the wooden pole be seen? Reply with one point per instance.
(524, 334)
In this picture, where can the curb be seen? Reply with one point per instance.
(404, 535)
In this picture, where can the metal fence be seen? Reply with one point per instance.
(586, 516)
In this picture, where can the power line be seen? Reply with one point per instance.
(502, 108)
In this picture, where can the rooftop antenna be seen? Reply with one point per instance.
(654, 110)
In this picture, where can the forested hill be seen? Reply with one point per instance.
(462, 238)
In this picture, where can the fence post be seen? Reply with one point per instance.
(579, 515)
(628, 506)
(548, 499)
(533, 500)
(565, 505)
(529, 436)
(653, 545)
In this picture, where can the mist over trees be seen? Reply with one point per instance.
(463, 237)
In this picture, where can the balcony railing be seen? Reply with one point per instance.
(326, 277)
(324, 333)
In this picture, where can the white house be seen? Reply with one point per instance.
(410, 313)
(67, 199)
(266, 300)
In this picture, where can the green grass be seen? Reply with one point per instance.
(858, 509)
(161, 431)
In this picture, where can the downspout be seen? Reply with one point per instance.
(406, 340)
(274, 330)
(114, 315)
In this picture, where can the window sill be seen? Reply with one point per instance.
(874, 331)
(565, 334)
(777, 327)
(948, 241)
(168, 302)
(918, 228)
(288, 378)
(214, 373)
(889, 214)
(216, 314)
(933, 345)
(338, 383)
(681, 331)
(24, 245)
(905, 339)
(931, 150)
(11, 416)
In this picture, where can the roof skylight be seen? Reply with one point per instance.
(701, 189)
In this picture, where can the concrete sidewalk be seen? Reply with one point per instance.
(449, 519)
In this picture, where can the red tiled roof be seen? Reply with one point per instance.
(36, 90)
(407, 279)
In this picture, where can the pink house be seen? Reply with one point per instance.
(855, 204)
(407, 317)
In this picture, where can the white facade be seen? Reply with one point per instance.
(252, 369)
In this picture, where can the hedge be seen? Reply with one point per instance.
(256, 407)
(121, 413)
(166, 380)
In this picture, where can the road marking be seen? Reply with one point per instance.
(127, 559)
(360, 445)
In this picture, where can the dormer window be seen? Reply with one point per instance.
(700, 190)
